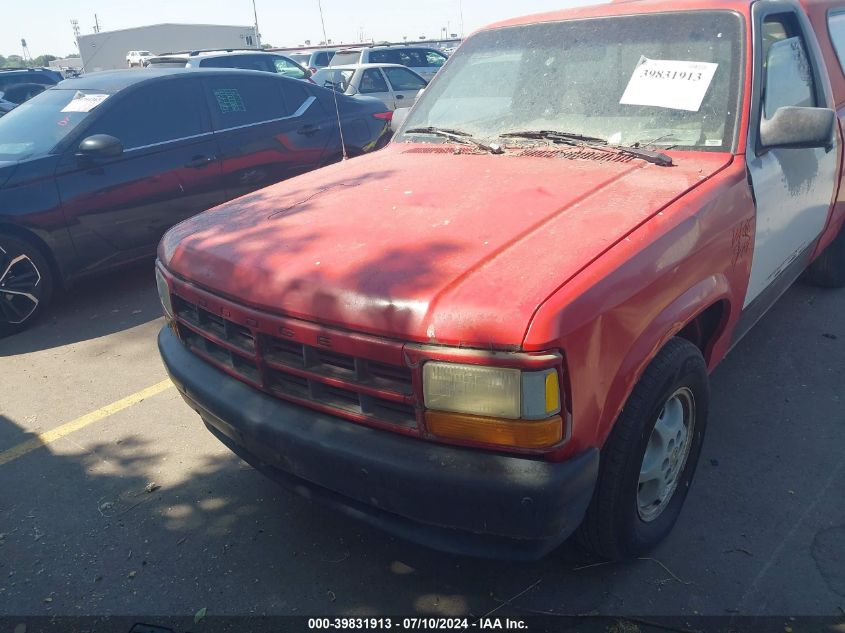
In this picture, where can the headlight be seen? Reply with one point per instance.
(164, 294)
(497, 392)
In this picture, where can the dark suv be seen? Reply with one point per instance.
(93, 171)
(20, 84)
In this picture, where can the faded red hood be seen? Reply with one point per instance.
(421, 246)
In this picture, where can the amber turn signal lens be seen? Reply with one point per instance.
(494, 431)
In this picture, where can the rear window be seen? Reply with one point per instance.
(168, 62)
(322, 59)
(344, 59)
(245, 62)
(301, 58)
(26, 78)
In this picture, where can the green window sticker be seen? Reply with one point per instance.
(229, 100)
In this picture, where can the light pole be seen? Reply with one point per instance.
(257, 32)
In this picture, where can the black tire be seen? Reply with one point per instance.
(26, 284)
(828, 271)
(614, 527)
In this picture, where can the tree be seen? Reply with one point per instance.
(43, 60)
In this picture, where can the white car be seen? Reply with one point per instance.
(395, 85)
(422, 60)
(138, 58)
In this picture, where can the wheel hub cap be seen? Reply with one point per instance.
(666, 454)
(19, 288)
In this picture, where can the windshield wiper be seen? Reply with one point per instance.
(552, 135)
(458, 136)
(593, 142)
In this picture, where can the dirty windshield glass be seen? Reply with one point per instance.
(664, 79)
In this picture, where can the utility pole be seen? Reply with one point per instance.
(75, 26)
(96, 24)
(257, 32)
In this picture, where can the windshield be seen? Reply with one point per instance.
(670, 79)
(333, 78)
(35, 127)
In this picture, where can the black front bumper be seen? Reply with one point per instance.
(454, 499)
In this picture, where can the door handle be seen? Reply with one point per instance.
(198, 162)
(308, 130)
(400, 96)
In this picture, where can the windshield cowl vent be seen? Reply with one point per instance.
(445, 149)
(576, 154)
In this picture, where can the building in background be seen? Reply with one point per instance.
(68, 66)
(107, 50)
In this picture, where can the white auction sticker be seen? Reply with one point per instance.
(84, 103)
(665, 83)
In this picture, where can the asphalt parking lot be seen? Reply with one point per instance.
(137, 509)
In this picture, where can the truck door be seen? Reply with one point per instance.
(793, 188)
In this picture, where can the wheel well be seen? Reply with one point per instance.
(26, 235)
(702, 330)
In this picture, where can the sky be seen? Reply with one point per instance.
(46, 26)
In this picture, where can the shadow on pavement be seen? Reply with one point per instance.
(95, 307)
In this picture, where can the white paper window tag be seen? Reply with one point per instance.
(84, 102)
(665, 83)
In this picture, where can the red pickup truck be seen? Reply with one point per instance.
(498, 330)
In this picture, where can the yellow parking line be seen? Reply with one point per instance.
(42, 439)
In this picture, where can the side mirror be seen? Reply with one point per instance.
(100, 146)
(399, 116)
(794, 127)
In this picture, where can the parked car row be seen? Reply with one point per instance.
(95, 169)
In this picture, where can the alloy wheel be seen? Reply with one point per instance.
(19, 288)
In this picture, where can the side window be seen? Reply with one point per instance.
(372, 81)
(236, 101)
(295, 95)
(321, 60)
(385, 57)
(288, 68)
(403, 79)
(836, 26)
(163, 111)
(414, 58)
(789, 75)
(434, 59)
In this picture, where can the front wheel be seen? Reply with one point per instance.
(650, 457)
(26, 284)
